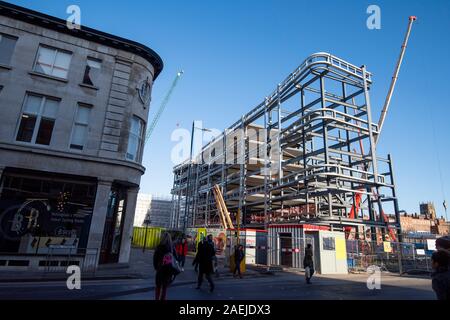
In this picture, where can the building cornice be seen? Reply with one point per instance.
(86, 33)
(67, 155)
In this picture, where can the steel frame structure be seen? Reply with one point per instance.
(301, 155)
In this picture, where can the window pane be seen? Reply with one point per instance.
(135, 126)
(83, 114)
(7, 45)
(329, 244)
(33, 104)
(62, 64)
(44, 62)
(50, 108)
(94, 63)
(92, 71)
(26, 128)
(45, 131)
(78, 137)
(132, 147)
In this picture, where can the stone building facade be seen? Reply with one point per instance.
(74, 106)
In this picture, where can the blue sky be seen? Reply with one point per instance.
(235, 52)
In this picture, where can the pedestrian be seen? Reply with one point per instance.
(204, 259)
(441, 275)
(238, 257)
(308, 263)
(215, 260)
(182, 249)
(443, 243)
(162, 262)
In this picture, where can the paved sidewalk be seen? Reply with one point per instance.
(140, 267)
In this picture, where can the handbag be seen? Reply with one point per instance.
(169, 260)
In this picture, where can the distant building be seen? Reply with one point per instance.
(428, 210)
(426, 222)
(160, 211)
(153, 210)
(142, 208)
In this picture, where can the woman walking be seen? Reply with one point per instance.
(162, 262)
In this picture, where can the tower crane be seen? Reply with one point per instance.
(358, 197)
(162, 107)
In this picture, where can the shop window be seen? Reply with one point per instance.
(80, 127)
(135, 139)
(40, 212)
(329, 243)
(7, 46)
(53, 62)
(37, 120)
(92, 71)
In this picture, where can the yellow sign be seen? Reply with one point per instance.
(387, 247)
(341, 250)
(201, 234)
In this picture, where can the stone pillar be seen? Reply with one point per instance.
(99, 216)
(127, 233)
(2, 169)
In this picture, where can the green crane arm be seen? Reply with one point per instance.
(161, 109)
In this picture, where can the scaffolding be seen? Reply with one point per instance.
(303, 155)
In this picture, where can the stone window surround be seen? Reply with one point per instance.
(74, 123)
(58, 50)
(33, 144)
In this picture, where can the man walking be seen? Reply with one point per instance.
(308, 263)
(204, 258)
(441, 275)
(238, 257)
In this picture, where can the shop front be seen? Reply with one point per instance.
(55, 218)
(40, 212)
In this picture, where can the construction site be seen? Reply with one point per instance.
(304, 158)
(307, 154)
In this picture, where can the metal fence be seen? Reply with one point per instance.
(272, 252)
(59, 258)
(389, 256)
(148, 237)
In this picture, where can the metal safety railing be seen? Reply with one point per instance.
(389, 256)
(59, 258)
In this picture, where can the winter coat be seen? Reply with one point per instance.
(205, 256)
(238, 256)
(163, 273)
(182, 249)
(441, 284)
(308, 261)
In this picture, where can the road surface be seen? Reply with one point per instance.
(281, 286)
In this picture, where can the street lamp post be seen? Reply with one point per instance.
(145, 236)
(189, 173)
